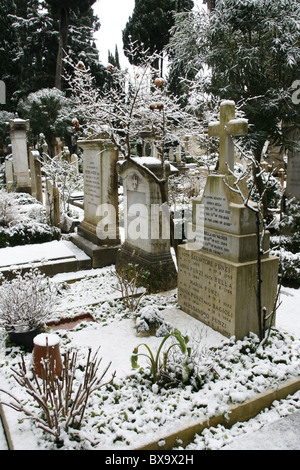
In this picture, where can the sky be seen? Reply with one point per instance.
(113, 15)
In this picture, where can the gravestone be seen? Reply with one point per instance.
(75, 164)
(9, 174)
(36, 175)
(217, 267)
(18, 129)
(98, 233)
(293, 167)
(146, 222)
(52, 203)
(66, 154)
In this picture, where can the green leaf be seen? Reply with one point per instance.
(181, 340)
(134, 362)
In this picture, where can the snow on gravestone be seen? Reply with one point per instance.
(147, 225)
(18, 129)
(98, 233)
(36, 175)
(217, 267)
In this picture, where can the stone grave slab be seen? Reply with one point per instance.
(18, 129)
(217, 267)
(98, 233)
(51, 258)
(147, 225)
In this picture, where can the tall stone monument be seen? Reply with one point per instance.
(98, 233)
(147, 222)
(36, 175)
(217, 267)
(18, 129)
(293, 168)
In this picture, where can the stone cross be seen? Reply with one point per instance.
(225, 128)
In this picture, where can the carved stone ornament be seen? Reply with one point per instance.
(135, 181)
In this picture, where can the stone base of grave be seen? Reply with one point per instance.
(88, 231)
(163, 274)
(222, 293)
(101, 256)
(23, 189)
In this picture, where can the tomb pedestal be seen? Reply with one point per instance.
(18, 129)
(217, 267)
(146, 222)
(98, 233)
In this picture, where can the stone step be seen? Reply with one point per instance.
(51, 258)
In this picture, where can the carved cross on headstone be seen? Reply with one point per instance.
(225, 128)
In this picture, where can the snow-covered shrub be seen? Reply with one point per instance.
(149, 320)
(25, 301)
(17, 228)
(7, 207)
(27, 231)
(129, 281)
(23, 199)
(285, 243)
(60, 402)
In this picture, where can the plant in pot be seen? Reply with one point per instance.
(26, 301)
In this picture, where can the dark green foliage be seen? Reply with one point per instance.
(29, 41)
(43, 109)
(27, 233)
(285, 243)
(150, 24)
(252, 48)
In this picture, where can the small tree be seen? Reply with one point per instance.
(63, 176)
(136, 103)
(26, 300)
(262, 225)
(43, 109)
(60, 402)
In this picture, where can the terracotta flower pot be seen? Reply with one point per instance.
(159, 81)
(46, 347)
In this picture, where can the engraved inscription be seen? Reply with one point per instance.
(206, 290)
(92, 184)
(216, 211)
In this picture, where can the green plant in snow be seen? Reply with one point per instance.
(159, 361)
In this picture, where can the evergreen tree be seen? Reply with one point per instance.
(114, 59)
(29, 31)
(249, 52)
(150, 25)
(66, 11)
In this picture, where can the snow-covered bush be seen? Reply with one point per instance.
(27, 231)
(149, 319)
(7, 207)
(18, 228)
(285, 243)
(62, 174)
(25, 301)
(60, 401)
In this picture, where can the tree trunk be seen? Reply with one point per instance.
(62, 45)
(259, 181)
(259, 279)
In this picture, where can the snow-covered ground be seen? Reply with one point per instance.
(129, 414)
